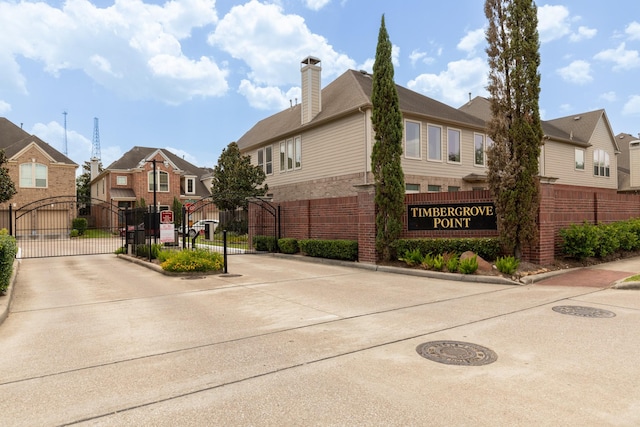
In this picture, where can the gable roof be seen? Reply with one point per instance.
(347, 94)
(575, 129)
(14, 140)
(136, 156)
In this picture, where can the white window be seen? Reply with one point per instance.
(291, 154)
(190, 185)
(162, 180)
(265, 159)
(601, 163)
(121, 180)
(33, 175)
(434, 133)
(478, 149)
(579, 159)
(412, 188)
(412, 139)
(298, 152)
(453, 145)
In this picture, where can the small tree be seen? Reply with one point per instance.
(387, 150)
(515, 127)
(7, 188)
(235, 179)
(177, 213)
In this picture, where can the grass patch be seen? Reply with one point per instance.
(94, 233)
(187, 261)
(635, 278)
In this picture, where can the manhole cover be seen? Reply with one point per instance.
(457, 353)
(576, 310)
(231, 275)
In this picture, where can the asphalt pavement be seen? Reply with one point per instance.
(97, 340)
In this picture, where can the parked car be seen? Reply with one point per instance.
(199, 226)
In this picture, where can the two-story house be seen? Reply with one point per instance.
(629, 163)
(42, 176)
(322, 146)
(129, 181)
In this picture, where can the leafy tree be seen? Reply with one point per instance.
(83, 181)
(515, 127)
(235, 179)
(7, 188)
(387, 150)
(177, 213)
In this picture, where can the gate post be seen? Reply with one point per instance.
(10, 220)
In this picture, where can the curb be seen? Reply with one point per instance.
(621, 284)
(5, 302)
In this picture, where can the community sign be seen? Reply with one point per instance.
(463, 216)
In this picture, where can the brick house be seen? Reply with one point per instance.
(322, 146)
(128, 182)
(38, 172)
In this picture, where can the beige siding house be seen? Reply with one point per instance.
(628, 163)
(322, 146)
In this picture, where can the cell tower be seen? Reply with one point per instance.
(65, 133)
(95, 148)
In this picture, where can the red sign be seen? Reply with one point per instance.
(188, 207)
(166, 217)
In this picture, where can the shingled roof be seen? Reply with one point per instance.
(576, 129)
(14, 139)
(345, 95)
(132, 159)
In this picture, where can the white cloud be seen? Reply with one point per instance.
(416, 56)
(609, 96)
(269, 97)
(632, 107)
(116, 46)
(578, 72)
(583, 33)
(453, 85)
(553, 22)
(622, 58)
(5, 107)
(316, 4)
(395, 55)
(78, 146)
(633, 30)
(272, 44)
(471, 41)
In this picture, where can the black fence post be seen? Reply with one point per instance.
(10, 220)
(224, 245)
(184, 227)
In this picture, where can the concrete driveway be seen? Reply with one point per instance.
(95, 340)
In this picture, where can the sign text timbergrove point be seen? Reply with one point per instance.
(463, 216)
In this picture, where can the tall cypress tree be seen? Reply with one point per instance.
(7, 188)
(387, 150)
(515, 127)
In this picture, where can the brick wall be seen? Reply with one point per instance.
(354, 217)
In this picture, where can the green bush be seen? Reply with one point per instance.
(332, 249)
(288, 246)
(427, 261)
(488, 248)
(438, 262)
(187, 261)
(79, 224)
(468, 265)
(507, 265)
(607, 240)
(265, 243)
(412, 258)
(143, 250)
(8, 250)
(579, 241)
(452, 261)
(74, 233)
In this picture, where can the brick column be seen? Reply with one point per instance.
(544, 253)
(366, 223)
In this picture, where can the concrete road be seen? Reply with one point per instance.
(96, 340)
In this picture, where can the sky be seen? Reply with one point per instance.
(194, 75)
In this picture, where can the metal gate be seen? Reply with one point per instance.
(62, 226)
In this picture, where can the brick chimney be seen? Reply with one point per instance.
(311, 94)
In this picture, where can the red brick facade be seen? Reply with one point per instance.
(354, 217)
